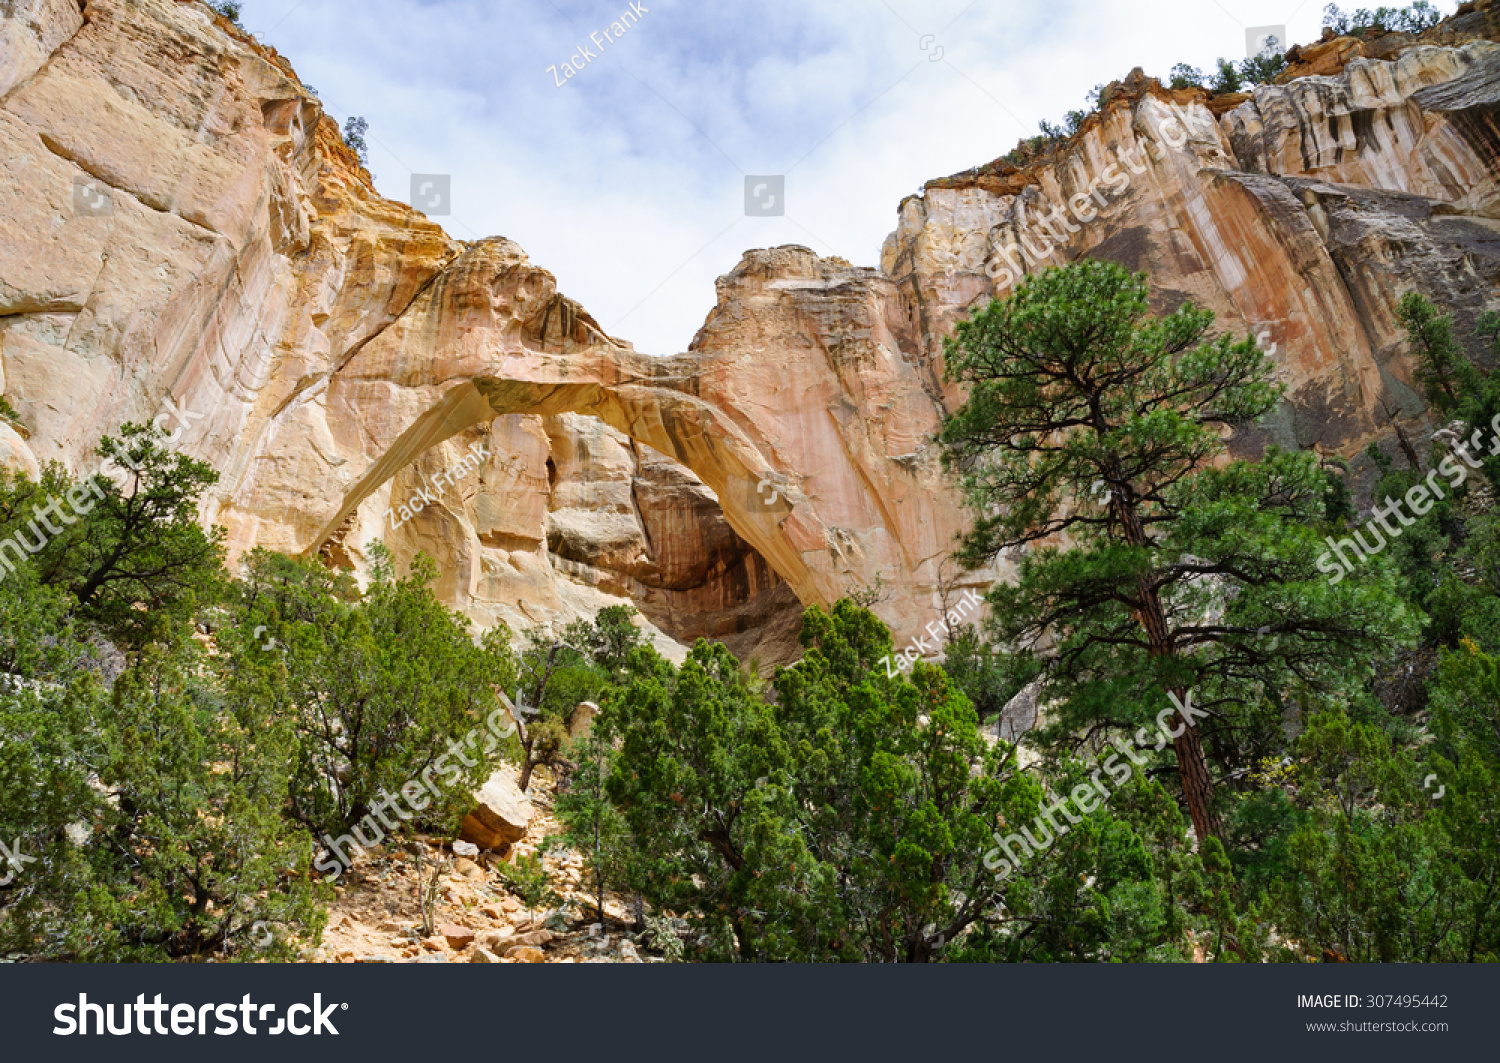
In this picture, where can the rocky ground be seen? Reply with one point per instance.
(479, 917)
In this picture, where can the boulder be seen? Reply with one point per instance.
(526, 955)
(483, 956)
(1021, 713)
(463, 867)
(501, 815)
(15, 455)
(535, 939)
(497, 941)
(1324, 59)
(457, 937)
(582, 718)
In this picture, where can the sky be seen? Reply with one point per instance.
(628, 181)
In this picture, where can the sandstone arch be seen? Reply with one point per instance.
(684, 428)
(836, 500)
(324, 335)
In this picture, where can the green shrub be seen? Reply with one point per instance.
(229, 9)
(155, 809)
(383, 689)
(526, 877)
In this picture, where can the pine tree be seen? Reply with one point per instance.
(848, 821)
(593, 826)
(1090, 420)
(1443, 369)
(354, 136)
(126, 541)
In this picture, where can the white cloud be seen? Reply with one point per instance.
(624, 181)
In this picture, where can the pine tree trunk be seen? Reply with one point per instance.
(1192, 764)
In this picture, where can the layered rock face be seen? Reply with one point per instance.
(184, 236)
(1299, 216)
(796, 406)
(187, 238)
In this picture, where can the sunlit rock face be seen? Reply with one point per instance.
(185, 237)
(1299, 215)
(804, 424)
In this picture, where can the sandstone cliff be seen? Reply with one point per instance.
(1301, 215)
(356, 375)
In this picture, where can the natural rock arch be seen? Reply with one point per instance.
(837, 488)
(684, 428)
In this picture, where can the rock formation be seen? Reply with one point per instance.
(1301, 216)
(501, 815)
(184, 235)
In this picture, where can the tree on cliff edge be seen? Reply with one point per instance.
(1091, 422)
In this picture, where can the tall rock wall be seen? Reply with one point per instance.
(1300, 216)
(184, 236)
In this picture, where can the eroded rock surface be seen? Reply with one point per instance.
(183, 233)
(1301, 215)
